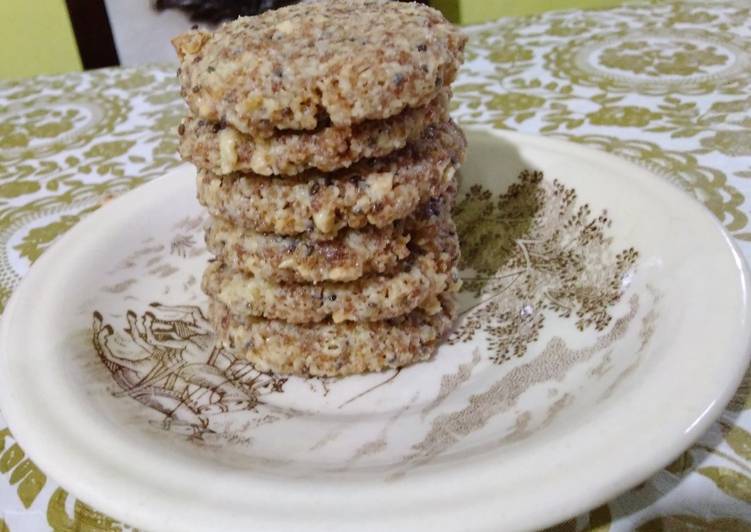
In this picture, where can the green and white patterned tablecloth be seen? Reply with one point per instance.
(667, 85)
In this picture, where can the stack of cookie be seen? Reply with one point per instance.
(327, 161)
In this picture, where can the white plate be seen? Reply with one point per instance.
(528, 417)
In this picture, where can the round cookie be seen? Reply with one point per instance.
(429, 271)
(371, 298)
(373, 191)
(328, 349)
(292, 259)
(338, 61)
(221, 149)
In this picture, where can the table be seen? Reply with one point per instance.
(666, 85)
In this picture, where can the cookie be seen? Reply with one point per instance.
(373, 191)
(292, 259)
(430, 270)
(330, 349)
(311, 64)
(347, 257)
(221, 149)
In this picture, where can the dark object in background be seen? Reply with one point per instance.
(91, 27)
(215, 11)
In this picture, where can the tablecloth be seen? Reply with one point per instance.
(666, 85)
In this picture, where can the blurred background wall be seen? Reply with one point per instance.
(36, 37)
(142, 33)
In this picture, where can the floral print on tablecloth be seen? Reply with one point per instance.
(665, 85)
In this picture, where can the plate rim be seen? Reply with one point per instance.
(121, 510)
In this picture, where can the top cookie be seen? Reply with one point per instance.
(311, 64)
